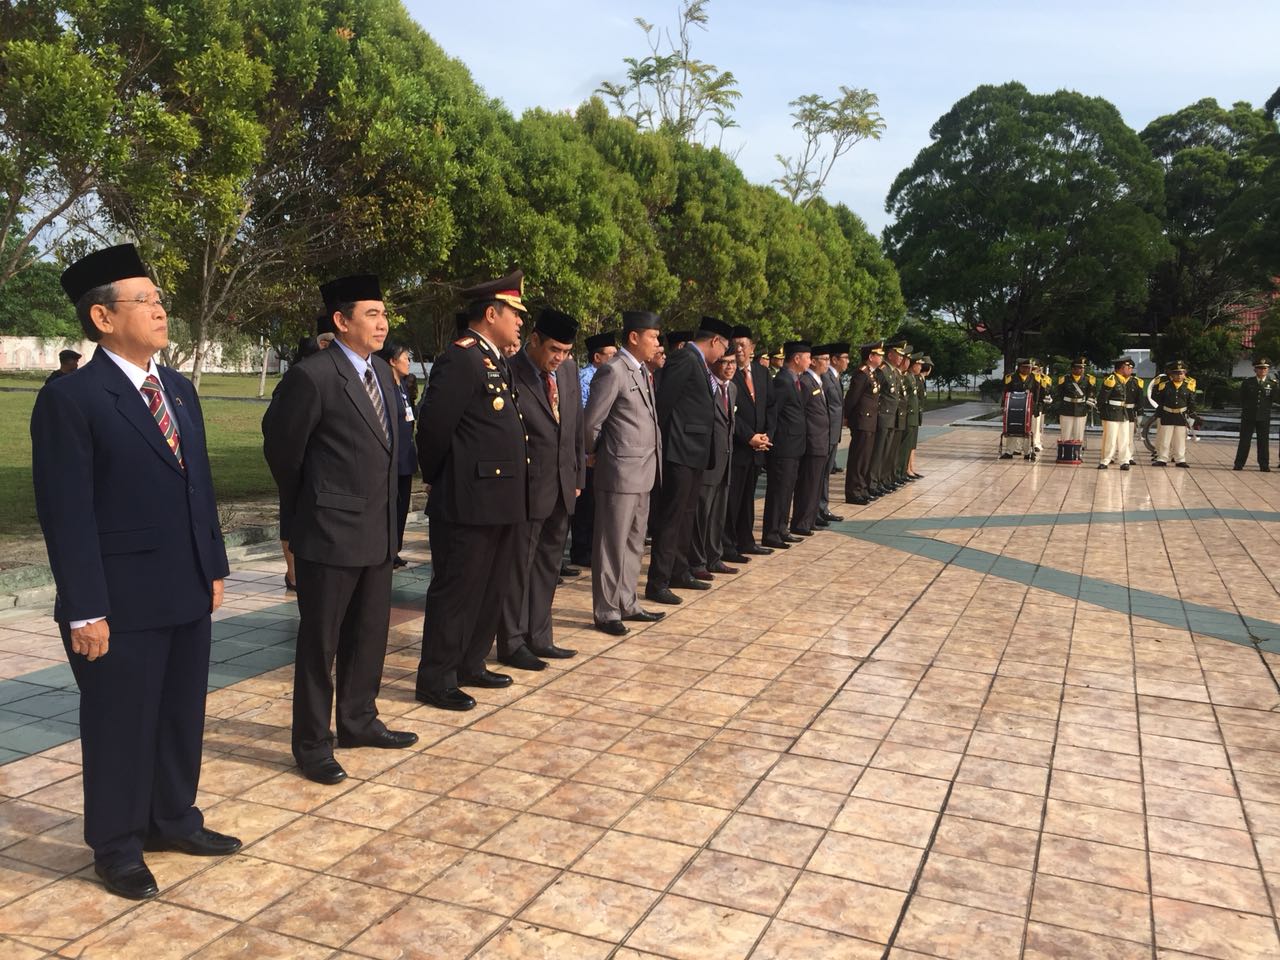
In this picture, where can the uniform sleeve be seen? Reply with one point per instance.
(62, 471)
(604, 390)
(286, 430)
(221, 566)
(451, 386)
(857, 387)
(671, 388)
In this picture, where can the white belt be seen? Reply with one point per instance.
(1119, 403)
(1174, 409)
(1076, 399)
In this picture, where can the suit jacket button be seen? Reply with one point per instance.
(527, 460)
(497, 471)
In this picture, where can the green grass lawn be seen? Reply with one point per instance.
(211, 384)
(233, 429)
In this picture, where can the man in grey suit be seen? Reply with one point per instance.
(706, 551)
(804, 513)
(834, 392)
(546, 380)
(621, 431)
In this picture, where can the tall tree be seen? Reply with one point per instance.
(831, 128)
(1027, 212)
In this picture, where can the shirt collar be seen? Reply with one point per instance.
(492, 346)
(136, 374)
(632, 361)
(357, 361)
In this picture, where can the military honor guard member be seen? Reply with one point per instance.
(686, 416)
(544, 376)
(1175, 397)
(890, 398)
(600, 350)
(125, 501)
(1257, 394)
(1043, 400)
(332, 444)
(1118, 398)
(1076, 392)
(620, 427)
(788, 438)
(862, 413)
(899, 355)
(922, 368)
(912, 395)
(837, 363)
(472, 450)
(706, 549)
(813, 463)
(1022, 380)
(750, 442)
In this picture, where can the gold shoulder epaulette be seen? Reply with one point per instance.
(1093, 381)
(1062, 379)
(1008, 378)
(1191, 382)
(1110, 381)
(465, 342)
(1140, 382)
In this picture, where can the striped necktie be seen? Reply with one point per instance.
(168, 429)
(375, 397)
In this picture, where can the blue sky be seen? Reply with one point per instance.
(919, 56)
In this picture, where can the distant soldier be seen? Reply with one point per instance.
(922, 368)
(890, 382)
(913, 393)
(861, 412)
(1256, 396)
(1074, 393)
(1175, 398)
(1117, 397)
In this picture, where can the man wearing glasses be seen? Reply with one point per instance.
(125, 501)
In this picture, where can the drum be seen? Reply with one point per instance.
(1069, 452)
(1017, 414)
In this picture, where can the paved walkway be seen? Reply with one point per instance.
(1016, 710)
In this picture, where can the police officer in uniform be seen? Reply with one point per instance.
(861, 411)
(471, 447)
(1175, 397)
(1256, 396)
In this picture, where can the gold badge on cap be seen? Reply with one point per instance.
(498, 403)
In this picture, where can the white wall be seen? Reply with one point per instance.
(32, 353)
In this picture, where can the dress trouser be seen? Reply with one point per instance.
(1071, 428)
(857, 477)
(824, 498)
(706, 548)
(344, 614)
(1248, 431)
(404, 492)
(889, 469)
(141, 731)
(779, 491)
(879, 453)
(584, 515)
(1117, 441)
(472, 568)
(1171, 442)
(804, 513)
(669, 558)
(740, 515)
(617, 552)
(525, 619)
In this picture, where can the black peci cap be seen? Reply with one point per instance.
(715, 326)
(639, 320)
(792, 347)
(556, 325)
(676, 337)
(599, 341)
(100, 268)
(359, 286)
(740, 331)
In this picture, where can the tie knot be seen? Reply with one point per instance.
(151, 383)
(368, 374)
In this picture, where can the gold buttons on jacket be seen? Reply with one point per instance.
(498, 403)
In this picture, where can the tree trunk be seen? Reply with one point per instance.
(262, 380)
(197, 362)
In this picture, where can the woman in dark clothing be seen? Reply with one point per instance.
(398, 358)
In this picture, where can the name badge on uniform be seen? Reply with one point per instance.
(408, 413)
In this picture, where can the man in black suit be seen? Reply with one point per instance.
(1257, 394)
(545, 379)
(331, 442)
(749, 445)
(686, 411)
(125, 501)
(862, 412)
(804, 515)
(706, 549)
(471, 445)
(786, 429)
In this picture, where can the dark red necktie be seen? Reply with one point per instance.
(553, 395)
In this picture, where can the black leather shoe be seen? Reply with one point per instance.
(399, 562)
(1158, 463)
(1102, 466)
(820, 524)
(1184, 465)
(569, 571)
(758, 551)
(791, 538)
(1124, 466)
(615, 628)
(690, 583)
(521, 659)
(1237, 467)
(701, 574)
(449, 699)
(132, 880)
(386, 740)
(644, 616)
(721, 567)
(835, 470)
(202, 843)
(736, 558)
(776, 544)
(860, 501)
(553, 652)
(1265, 469)
(1006, 456)
(916, 476)
(832, 517)
(489, 680)
(797, 532)
(663, 595)
(327, 771)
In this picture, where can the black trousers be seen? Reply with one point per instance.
(404, 493)
(740, 515)
(879, 454)
(141, 731)
(472, 572)
(344, 614)
(1248, 431)
(808, 491)
(857, 477)
(584, 515)
(669, 558)
(706, 547)
(780, 489)
(525, 619)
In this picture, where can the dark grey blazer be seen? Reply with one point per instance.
(557, 464)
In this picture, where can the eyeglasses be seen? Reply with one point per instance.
(158, 299)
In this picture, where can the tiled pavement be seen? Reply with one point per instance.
(1033, 714)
